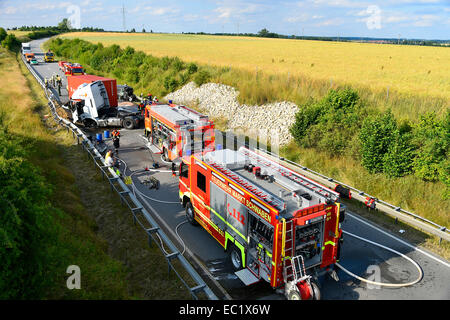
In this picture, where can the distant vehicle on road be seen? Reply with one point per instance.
(29, 56)
(26, 48)
(49, 57)
(34, 61)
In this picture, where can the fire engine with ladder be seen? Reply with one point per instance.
(276, 225)
(173, 130)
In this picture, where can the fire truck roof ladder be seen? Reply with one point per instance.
(268, 198)
(194, 115)
(292, 179)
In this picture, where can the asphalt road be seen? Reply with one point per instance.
(356, 255)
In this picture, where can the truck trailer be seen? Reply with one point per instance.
(174, 130)
(277, 225)
(74, 82)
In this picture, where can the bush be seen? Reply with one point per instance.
(170, 83)
(202, 77)
(192, 68)
(397, 161)
(11, 42)
(3, 34)
(432, 140)
(132, 76)
(177, 64)
(376, 136)
(330, 123)
(27, 232)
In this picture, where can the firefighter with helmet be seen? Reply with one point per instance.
(141, 107)
(149, 98)
(116, 139)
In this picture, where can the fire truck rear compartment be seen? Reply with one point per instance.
(308, 242)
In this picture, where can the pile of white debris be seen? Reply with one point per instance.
(218, 100)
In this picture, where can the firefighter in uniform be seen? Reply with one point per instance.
(59, 83)
(141, 108)
(116, 139)
(149, 99)
(174, 174)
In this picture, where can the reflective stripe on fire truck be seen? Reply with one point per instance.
(328, 242)
(338, 208)
(240, 246)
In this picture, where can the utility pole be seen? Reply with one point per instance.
(123, 18)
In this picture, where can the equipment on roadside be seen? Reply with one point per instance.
(151, 182)
(277, 225)
(175, 130)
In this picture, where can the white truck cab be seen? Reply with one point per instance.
(90, 105)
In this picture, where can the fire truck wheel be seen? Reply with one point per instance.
(294, 295)
(235, 258)
(315, 291)
(190, 214)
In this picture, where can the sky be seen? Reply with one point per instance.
(419, 19)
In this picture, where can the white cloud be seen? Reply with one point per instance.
(238, 9)
(9, 10)
(330, 22)
(334, 3)
(298, 18)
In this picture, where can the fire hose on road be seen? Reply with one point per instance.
(390, 285)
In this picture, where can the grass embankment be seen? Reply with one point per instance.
(407, 79)
(58, 212)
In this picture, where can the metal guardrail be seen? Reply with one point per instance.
(234, 141)
(139, 213)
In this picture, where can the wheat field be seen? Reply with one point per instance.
(410, 70)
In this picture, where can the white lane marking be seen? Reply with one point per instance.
(400, 240)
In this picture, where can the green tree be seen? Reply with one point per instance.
(64, 25)
(3, 34)
(432, 140)
(397, 161)
(330, 123)
(11, 42)
(376, 136)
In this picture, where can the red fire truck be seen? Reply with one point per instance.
(276, 225)
(72, 69)
(175, 130)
